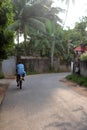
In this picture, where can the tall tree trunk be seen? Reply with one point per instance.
(25, 39)
(53, 46)
(52, 53)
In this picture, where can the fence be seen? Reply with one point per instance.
(37, 64)
(9, 66)
(40, 64)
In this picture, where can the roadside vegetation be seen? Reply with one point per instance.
(77, 79)
(2, 76)
(83, 57)
(42, 30)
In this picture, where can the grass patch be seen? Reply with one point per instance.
(2, 76)
(77, 79)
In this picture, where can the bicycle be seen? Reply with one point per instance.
(20, 81)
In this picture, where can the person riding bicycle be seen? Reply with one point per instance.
(20, 71)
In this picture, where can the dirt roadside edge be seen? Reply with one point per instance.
(75, 87)
(3, 89)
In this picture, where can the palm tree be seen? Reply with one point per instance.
(32, 14)
(52, 29)
(26, 15)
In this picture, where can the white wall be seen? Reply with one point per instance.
(9, 66)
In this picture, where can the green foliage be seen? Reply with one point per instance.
(83, 56)
(6, 18)
(37, 25)
(6, 13)
(77, 79)
(2, 76)
(6, 43)
(38, 20)
(50, 28)
(80, 28)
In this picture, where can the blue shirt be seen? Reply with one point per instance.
(20, 69)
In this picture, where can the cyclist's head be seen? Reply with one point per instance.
(19, 62)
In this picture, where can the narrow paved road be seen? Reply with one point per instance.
(44, 103)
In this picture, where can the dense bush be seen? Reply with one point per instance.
(83, 56)
(77, 79)
(6, 36)
(2, 76)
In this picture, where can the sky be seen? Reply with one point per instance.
(75, 12)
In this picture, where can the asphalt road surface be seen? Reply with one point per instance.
(44, 103)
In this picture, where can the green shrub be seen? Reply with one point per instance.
(83, 56)
(85, 84)
(2, 76)
(77, 79)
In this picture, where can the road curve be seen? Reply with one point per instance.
(44, 103)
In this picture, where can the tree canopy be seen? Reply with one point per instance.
(6, 18)
(38, 22)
